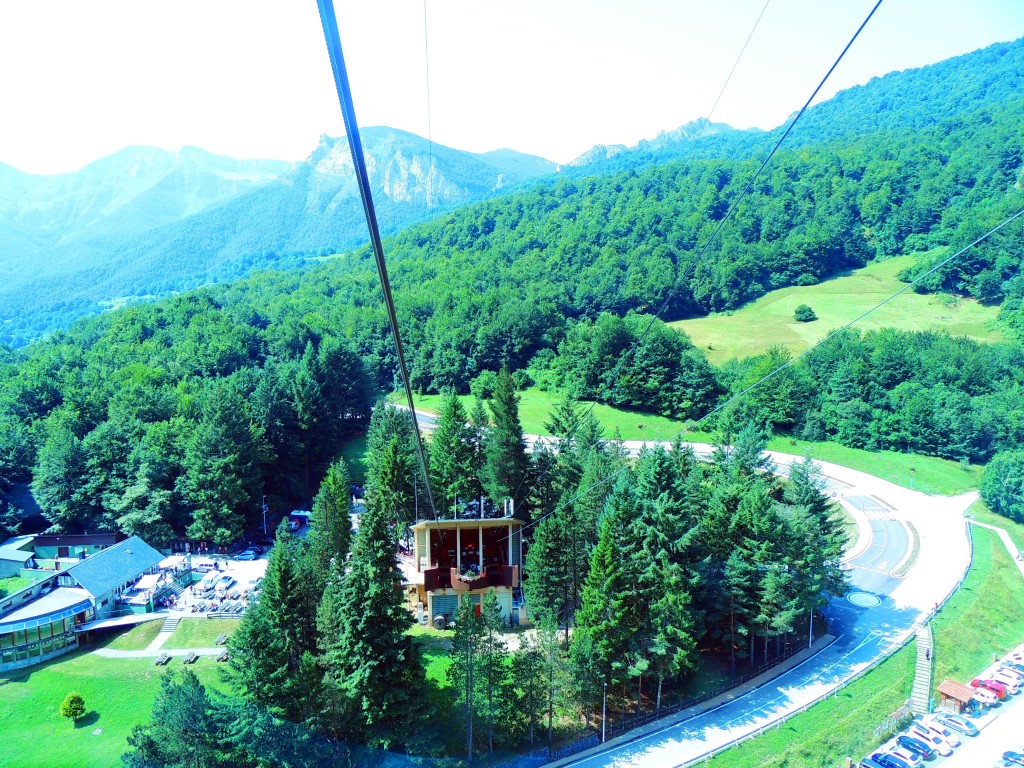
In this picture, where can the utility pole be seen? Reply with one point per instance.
(264, 507)
(604, 712)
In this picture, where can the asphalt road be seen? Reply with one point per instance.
(863, 633)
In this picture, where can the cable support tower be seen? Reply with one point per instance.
(331, 36)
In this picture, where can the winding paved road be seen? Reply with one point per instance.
(864, 632)
(882, 612)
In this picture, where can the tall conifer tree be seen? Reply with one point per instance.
(507, 464)
(375, 664)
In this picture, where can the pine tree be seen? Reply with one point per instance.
(548, 590)
(327, 540)
(493, 671)
(464, 671)
(267, 647)
(329, 537)
(527, 671)
(375, 664)
(608, 614)
(391, 462)
(507, 464)
(452, 471)
(183, 730)
(554, 667)
(329, 618)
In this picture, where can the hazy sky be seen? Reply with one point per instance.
(251, 78)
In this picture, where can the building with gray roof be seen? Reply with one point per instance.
(38, 622)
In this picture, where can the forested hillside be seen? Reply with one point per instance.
(256, 382)
(145, 223)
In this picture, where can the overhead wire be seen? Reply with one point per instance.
(430, 135)
(737, 62)
(333, 39)
(692, 265)
(612, 476)
(858, 318)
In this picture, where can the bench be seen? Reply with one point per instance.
(162, 659)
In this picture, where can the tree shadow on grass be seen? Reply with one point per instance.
(89, 718)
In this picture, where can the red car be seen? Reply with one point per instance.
(991, 685)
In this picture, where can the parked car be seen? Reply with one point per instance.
(1011, 682)
(867, 762)
(916, 746)
(890, 761)
(986, 696)
(1014, 665)
(931, 738)
(934, 724)
(1013, 757)
(990, 685)
(224, 584)
(958, 724)
(246, 555)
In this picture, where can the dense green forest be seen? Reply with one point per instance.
(670, 560)
(123, 420)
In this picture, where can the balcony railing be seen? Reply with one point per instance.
(450, 578)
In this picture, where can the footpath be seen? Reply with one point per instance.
(682, 716)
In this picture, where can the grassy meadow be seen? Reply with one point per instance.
(200, 633)
(751, 329)
(984, 617)
(928, 474)
(118, 695)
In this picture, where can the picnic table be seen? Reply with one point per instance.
(223, 655)
(191, 658)
(162, 659)
(221, 639)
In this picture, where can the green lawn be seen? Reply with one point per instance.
(12, 584)
(200, 633)
(769, 320)
(922, 473)
(137, 638)
(985, 616)
(842, 725)
(979, 511)
(353, 450)
(434, 645)
(535, 408)
(118, 695)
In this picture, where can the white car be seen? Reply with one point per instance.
(940, 730)
(1010, 674)
(1012, 684)
(930, 738)
(986, 697)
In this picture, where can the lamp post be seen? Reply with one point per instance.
(604, 712)
(264, 508)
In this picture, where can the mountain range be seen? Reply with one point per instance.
(145, 222)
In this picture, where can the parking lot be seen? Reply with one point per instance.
(1003, 730)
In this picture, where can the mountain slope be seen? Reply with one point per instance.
(144, 221)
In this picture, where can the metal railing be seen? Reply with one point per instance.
(892, 650)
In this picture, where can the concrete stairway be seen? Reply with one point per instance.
(922, 691)
(170, 624)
